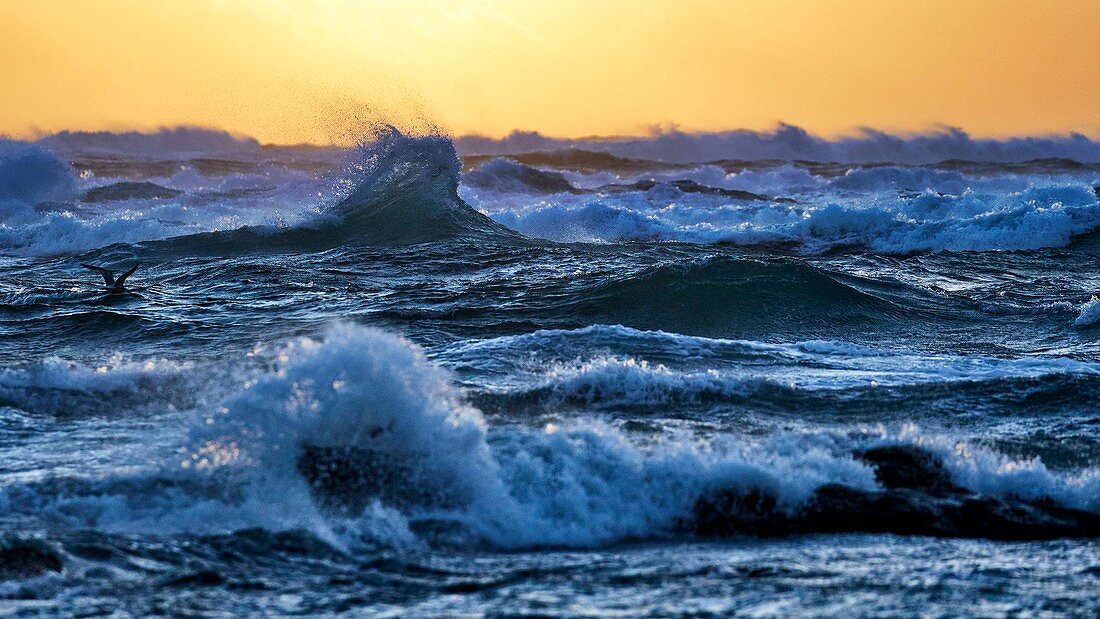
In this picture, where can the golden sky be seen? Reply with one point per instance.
(312, 70)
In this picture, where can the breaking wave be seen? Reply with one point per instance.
(405, 190)
(400, 190)
(29, 176)
(361, 439)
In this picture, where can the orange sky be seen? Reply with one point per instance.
(313, 70)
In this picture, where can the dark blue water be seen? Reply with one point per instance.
(372, 385)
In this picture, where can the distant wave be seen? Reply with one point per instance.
(166, 141)
(791, 143)
(910, 179)
(949, 146)
(1037, 216)
(46, 207)
(403, 190)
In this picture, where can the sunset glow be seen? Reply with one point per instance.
(304, 70)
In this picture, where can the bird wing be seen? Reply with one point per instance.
(122, 278)
(108, 277)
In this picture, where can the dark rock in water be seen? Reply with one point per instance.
(906, 466)
(580, 160)
(918, 499)
(236, 194)
(210, 166)
(509, 175)
(734, 512)
(344, 480)
(130, 190)
(25, 558)
(1096, 190)
(1046, 165)
(690, 186)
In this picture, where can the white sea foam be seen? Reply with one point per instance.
(1039, 216)
(1090, 313)
(63, 387)
(41, 214)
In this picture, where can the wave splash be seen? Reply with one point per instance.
(404, 190)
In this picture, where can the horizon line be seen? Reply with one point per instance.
(656, 132)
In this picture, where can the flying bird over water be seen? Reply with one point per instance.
(113, 285)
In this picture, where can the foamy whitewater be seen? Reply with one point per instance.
(760, 374)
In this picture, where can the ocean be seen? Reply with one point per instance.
(387, 381)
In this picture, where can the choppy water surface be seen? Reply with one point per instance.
(372, 382)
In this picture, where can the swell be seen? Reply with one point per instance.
(728, 295)
(720, 295)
